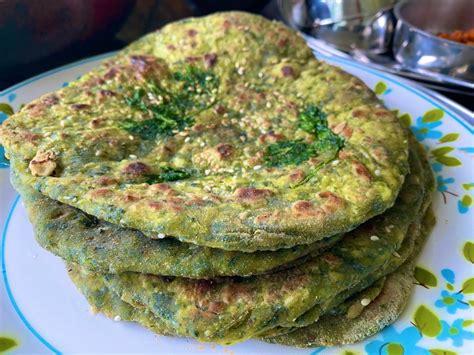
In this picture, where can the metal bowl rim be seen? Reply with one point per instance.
(353, 17)
(396, 11)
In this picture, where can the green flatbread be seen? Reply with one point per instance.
(103, 247)
(229, 310)
(323, 332)
(103, 300)
(348, 323)
(222, 131)
(331, 330)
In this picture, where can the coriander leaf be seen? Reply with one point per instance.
(288, 152)
(293, 152)
(173, 108)
(312, 119)
(167, 173)
(172, 174)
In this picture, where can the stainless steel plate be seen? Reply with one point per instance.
(346, 24)
(383, 63)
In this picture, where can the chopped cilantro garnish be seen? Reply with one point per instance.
(172, 174)
(147, 129)
(172, 108)
(312, 120)
(167, 173)
(293, 152)
(193, 77)
(287, 153)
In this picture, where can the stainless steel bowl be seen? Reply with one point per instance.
(346, 24)
(416, 45)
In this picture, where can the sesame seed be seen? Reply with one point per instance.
(97, 153)
(161, 235)
(117, 318)
(240, 71)
(257, 167)
(207, 171)
(208, 78)
(377, 172)
(335, 162)
(62, 123)
(374, 238)
(131, 138)
(132, 156)
(395, 254)
(260, 75)
(187, 139)
(365, 302)
(203, 144)
(269, 105)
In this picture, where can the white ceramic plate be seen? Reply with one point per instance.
(42, 312)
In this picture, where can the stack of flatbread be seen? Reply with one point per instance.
(214, 180)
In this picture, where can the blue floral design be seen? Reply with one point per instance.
(462, 208)
(3, 161)
(426, 130)
(437, 167)
(442, 183)
(452, 301)
(318, 350)
(455, 332)
(448, 275)
(407, 338)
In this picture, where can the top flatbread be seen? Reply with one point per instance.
(222, 131)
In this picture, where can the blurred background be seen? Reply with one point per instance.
(39, 35)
